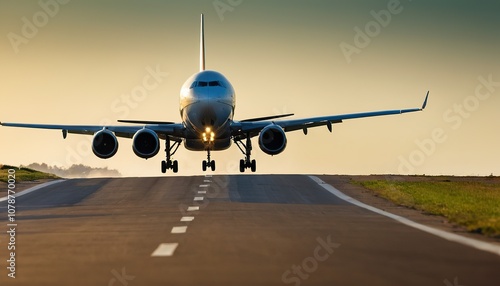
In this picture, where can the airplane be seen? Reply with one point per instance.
(207, 106)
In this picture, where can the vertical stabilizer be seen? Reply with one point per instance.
(202, 43)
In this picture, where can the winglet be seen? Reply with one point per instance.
(202, 43)
(425, 101)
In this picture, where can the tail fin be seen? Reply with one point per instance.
(202, 43)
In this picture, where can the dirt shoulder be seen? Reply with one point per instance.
(346, 185)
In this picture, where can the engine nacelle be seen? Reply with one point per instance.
(146, 143)
(272, 139)
(104, 144)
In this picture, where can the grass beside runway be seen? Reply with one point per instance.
(473, 204)
(23, 174)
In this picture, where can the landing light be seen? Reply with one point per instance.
(206, 133)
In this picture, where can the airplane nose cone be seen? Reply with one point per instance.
(202, 115)
(208, 116)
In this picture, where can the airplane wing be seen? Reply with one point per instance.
(163, 130)
(241, 128)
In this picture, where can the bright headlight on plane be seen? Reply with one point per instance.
(204, 135)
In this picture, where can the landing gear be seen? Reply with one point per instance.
(208, 163)
(165, 165)
(168, 163)
(244, 164)
(246, 149)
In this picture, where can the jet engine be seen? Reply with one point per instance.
(272, 139)
(104, 144)
(146, 143)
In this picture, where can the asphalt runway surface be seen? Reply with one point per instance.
(223, 230)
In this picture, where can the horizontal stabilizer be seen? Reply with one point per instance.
(145, 122)
(267, 117)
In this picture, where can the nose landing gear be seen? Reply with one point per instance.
(208, 163)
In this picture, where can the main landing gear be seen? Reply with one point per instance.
(168, 163)
(246, 163)
(208, 163)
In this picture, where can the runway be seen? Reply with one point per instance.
(223, 230)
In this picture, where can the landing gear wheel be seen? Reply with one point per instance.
(175, 166)
(242, 166)
(163, 167)
(208, 164)
(253, 166)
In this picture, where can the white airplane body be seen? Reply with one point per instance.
(207, 105)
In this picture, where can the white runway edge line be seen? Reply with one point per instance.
(35, 188)
(481, 245)
(165, 249)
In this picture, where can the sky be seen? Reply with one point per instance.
(79, 61)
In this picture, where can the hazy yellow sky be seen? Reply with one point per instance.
(77, 62)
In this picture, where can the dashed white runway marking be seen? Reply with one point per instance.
(168, 249)
(179, 229)
(165, 249)
(187, 218)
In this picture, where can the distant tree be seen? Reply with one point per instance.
(75, 171)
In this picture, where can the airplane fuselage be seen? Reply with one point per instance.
(207, 102)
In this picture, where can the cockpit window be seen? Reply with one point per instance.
(206, 83)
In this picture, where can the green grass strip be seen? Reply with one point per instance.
(24, 174)
(475, 205)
